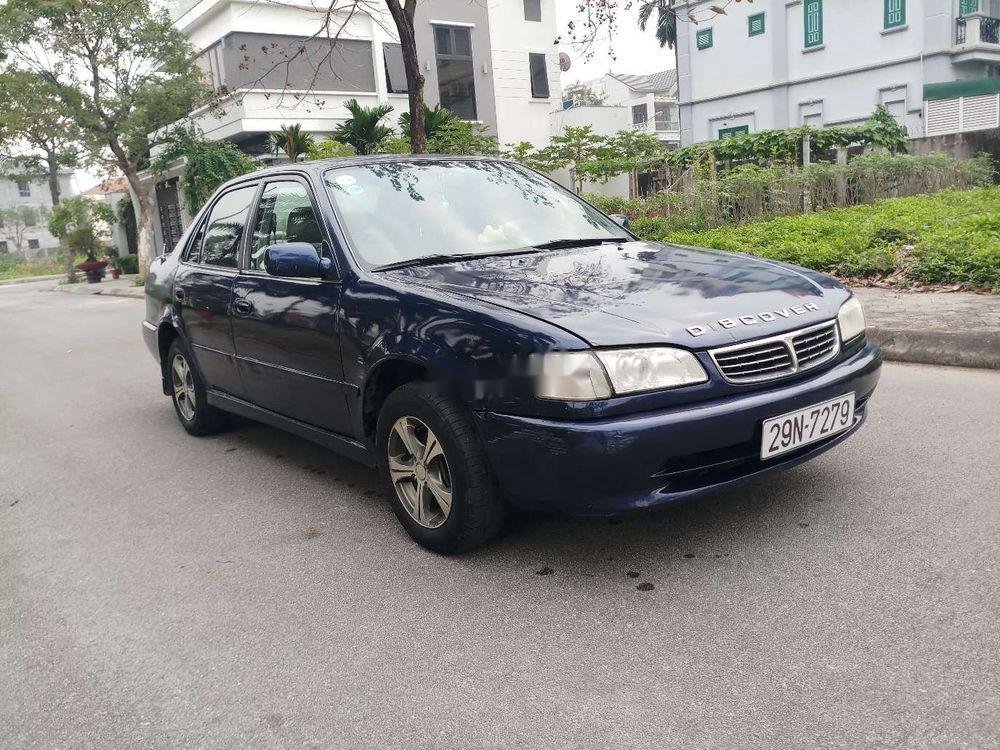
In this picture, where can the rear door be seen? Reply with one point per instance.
(203, 287)
(287, 330)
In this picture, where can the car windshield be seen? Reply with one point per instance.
(403, 211)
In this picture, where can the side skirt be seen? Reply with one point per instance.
(352, 449)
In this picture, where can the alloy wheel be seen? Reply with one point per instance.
(183, 383)
(419, 472)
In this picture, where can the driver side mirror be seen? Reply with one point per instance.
(296, 259)
(621, 220)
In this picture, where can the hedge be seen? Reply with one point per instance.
(951, 237)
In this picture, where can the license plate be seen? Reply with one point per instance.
(805, 426)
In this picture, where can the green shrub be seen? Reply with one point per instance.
(127, 263)
(952, 237)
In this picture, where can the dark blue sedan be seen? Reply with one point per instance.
(487, 339)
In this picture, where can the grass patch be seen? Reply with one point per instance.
(952, 237)
(19, 269)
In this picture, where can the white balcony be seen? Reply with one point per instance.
(977, 39)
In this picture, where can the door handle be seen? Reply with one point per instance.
(178, 294)
(243, 306)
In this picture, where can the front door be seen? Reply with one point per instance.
(203, 288)
(286, 331)
(170, 213)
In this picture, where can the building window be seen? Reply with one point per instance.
(395, 71)
(730, 132)
(456, 75)
(667, 116)
(539, 75)
(3, 246)
(755, 24)
(33, 244)
(639, 114)
(813, 14)
(24, 188)
(968, 6)
(895, 13)
(703, 39)
(532, 10)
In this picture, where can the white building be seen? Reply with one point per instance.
(646, 103)
(934, 64)
(492, 62)
(26, 232)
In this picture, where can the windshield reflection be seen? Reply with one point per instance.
(396, 211)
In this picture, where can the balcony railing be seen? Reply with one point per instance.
(660, 126)
(989, 30)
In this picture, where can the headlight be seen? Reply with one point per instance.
(851, 319)
(572, 376)
(651, 369)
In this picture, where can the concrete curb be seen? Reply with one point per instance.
(29, 279)
(950, 348)
(135, 292)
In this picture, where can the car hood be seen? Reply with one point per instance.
(645, 293)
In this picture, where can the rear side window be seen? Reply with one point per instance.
(285, 214)
(224, 228)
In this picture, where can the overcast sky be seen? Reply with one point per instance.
(635, 51)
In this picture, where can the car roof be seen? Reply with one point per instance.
(321, 165)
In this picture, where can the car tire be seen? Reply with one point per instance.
(476, 510)
(187, 391)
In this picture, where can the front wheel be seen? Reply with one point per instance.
(430, 456)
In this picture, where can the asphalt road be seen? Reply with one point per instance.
(251, 589)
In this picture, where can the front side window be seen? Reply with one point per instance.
(532, 10)
(24, 188)
(401, 211)
(813, 14)
(539, 75)
(285, 214)
(224, 229)
(456, 73)
(895, 13)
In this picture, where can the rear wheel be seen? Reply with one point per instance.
(441, 487)
(189, 395)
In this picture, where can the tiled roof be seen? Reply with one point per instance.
(651, 83)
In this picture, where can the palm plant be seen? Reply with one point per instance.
(666, 20)
(362, 129)
(434, 120)
(291, 140)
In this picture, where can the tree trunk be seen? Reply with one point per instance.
(403, 17)
(52, 168)
(142, 206)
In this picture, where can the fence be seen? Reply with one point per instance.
(747, 193)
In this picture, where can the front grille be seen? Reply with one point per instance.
(777, 356)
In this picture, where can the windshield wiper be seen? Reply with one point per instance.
(436, 258)
(579, 242)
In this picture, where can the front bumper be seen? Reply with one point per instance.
(609, 466)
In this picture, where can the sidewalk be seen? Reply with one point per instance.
(937, 328)
(123, 287)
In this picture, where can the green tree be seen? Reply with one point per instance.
(207, 164)
(574, 146)
(36, 136)
(464, 139)
(329, 149)
(434, 120)
(80, 223)
(364, 130)
(16, 220)
(292, 141)
(120, 71)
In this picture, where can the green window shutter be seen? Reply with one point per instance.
(813, 15)
(755, 24)
(730, 132)
(703, 38)
(895, 13)
(968, 6)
